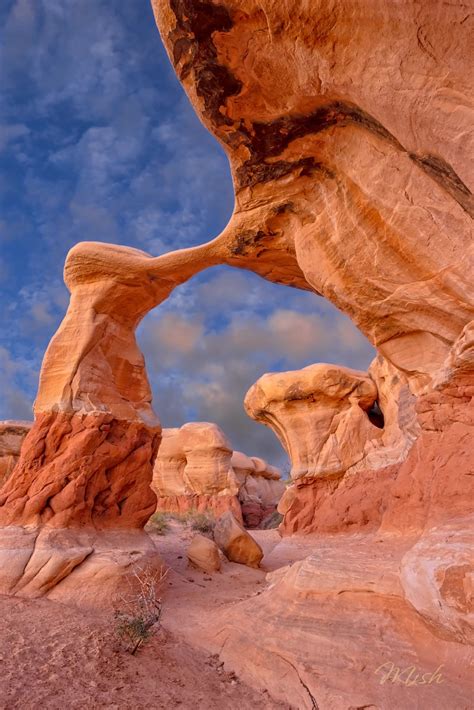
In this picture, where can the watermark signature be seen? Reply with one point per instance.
(409, 676)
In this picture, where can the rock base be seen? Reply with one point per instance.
(344, 628)
(433, 484)
(214, 505)
(78, 566)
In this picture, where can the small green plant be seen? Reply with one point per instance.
(158, 523)
(137, 615)
(201, 522)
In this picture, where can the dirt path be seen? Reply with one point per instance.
(56, 657)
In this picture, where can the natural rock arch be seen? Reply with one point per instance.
(335, 177)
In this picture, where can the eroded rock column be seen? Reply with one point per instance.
(73, 511)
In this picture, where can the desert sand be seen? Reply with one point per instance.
(57, 656)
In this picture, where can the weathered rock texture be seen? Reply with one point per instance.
(82, 482)
(235, 542)
(194, 470)
(204, 554)
(347, 126)
(260, 489)
(12, 435)
(354, 467)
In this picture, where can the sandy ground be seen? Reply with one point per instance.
(58, 657)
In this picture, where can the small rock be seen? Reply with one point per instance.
(236, 542)
(204, 554)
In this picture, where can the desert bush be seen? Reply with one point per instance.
(198, 522)
(201, 522)
(272, 521)
(138, 613)
(158, 523)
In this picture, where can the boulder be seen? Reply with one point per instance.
(236, 543)
(204, 554)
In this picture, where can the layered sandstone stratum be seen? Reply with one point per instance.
(347, 126)
(197, 470)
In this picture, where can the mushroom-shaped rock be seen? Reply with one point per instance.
(193, 471)
(12, 435)
(204, 554)
(235, 541)
(208, 454)
(243, 466)
(320, 415)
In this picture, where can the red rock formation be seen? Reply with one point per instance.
(196, 470)
(433, 484)
(260, 490)
(347, 129)
(85, 468)
(12, 435)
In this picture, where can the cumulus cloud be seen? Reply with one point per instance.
(16, 376)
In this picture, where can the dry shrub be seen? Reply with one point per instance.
(198, 522)
(138, 613)
(158, 523)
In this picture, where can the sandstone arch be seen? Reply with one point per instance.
(348, 163)
(344, 186)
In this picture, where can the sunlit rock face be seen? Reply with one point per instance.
(193, 471)
(320, 415)
(77, 501)
(347, 126)
(12, 435)
(196, 470)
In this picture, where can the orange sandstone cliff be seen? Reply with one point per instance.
(348, 127)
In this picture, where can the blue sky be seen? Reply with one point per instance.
(99, 142)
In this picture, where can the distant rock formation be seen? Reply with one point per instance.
(12, 435)
(196, 469)
(260, 488)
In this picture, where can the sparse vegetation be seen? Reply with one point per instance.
(201, 522)
(137, 615)
(158, 523)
